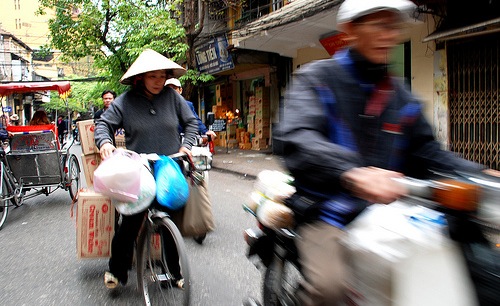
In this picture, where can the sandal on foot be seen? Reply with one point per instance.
(110, 280)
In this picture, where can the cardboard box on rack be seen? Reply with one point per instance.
(89, 164)
(86, 130)
(95, 225)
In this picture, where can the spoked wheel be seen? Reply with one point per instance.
(4, 204)
(162, 282)
(73, 182)
(281, 283)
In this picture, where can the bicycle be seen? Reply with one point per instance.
(156, 279)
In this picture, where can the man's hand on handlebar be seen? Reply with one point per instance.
(374, 185)
(107, 150)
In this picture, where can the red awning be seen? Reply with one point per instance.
(10, 88)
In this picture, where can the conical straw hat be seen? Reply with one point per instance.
(150, 60)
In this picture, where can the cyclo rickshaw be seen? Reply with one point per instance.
(33, 161)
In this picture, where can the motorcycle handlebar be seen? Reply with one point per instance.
(448, 192)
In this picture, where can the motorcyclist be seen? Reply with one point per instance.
(348, 129)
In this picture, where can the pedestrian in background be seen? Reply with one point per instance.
(62, 128)
(108, 96)
(39, 118)
(14, 119)
(175, 84)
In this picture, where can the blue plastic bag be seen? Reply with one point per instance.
(172, 190)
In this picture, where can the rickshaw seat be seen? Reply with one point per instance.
(34, 156)
(21, 143)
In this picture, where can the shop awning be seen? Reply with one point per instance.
(63, 87)
(297, 25)
(483, 28)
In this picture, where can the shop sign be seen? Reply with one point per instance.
(334, 42)
(219, 125)
(213, 57)
(7, 109)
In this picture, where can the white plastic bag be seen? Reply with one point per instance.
(275, 185)
(202, 158)
(147, 194)
(119, 176)
(401, 255)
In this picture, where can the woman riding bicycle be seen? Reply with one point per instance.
(150, 114)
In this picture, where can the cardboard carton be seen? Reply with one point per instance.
(90, 163)
(263, 133)
(86, 130)
(120, 138)
(95, 225)
(259, 143)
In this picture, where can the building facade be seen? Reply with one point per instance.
(15, 66)
(448, 59)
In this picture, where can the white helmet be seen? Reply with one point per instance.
(174, 82)
(352, 9)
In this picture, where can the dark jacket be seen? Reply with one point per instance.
(150, 125)
(325, 132)
(98, 114)
(202, 129)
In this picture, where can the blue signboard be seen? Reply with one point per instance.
(213, 57)
(7, 109)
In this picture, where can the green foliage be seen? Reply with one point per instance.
(196, 78)
(114, 32)
(82, 97)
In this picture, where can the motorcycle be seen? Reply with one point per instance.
(471, 226)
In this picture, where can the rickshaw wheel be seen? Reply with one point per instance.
(73, 183)
(4, 206)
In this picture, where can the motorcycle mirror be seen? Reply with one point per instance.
(210, 118)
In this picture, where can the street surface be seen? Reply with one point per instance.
(39, 265)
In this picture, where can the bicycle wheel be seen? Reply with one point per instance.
(73, 182)
(280, 283)
(4, 203)
(155, 276)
